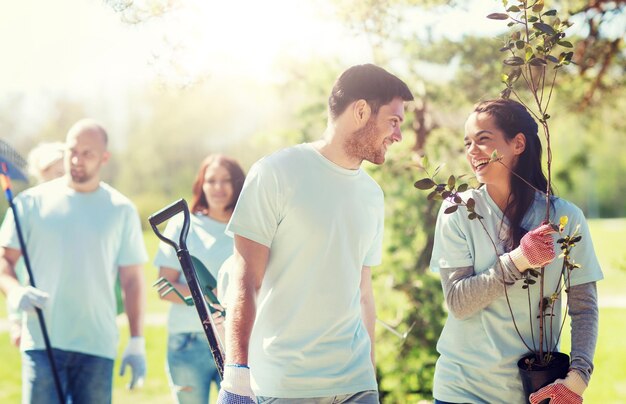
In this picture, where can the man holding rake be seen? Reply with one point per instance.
(79, 233)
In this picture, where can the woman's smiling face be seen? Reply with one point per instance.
(482, 138)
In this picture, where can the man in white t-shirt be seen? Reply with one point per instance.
(79, 234)
(308, 226)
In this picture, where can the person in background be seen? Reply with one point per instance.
(190, 366)
(479, 347)
(308, 226)
(80, 233)
(45, 163)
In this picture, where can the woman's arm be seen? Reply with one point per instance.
(583, 310)
(466, 293)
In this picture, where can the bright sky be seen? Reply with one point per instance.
(81, 48)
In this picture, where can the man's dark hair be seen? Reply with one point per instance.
(366, 82)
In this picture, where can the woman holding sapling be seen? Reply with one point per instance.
(478, 255)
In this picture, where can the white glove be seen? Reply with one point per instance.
(135, 356)
(27, 298)
(235, 387)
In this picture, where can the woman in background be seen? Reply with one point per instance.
(190, 366)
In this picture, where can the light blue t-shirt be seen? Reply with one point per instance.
(478, 355)
(206, 241)
(323, 223)
(76, 243)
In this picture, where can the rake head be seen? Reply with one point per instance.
(13, 165)
(164, 287)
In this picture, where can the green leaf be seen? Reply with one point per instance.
(550, 13)
(451, 182)
(451, 209)
(494, 156)
(532, 19)
(513, 61)
(545, 28)
(471, 203)
(513, 9)
(437, 170)
(424, 184)
(498, 16)
(462, 187)
(538, 6)
(520, 44)
(552, 59)
(565, 44)
(432, 195)
(537, 62)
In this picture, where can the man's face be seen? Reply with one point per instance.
(381, 130)
(86, 152)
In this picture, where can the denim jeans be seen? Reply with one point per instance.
(363, 397)
(190, 368)
(85, 379)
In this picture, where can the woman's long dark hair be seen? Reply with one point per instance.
(512, 118)
(199, 204)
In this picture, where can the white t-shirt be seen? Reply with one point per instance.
(207, 242)
(323, 223)
(479, 355)
(76, 243)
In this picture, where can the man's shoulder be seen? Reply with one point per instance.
(52, 187)
(286, 155)
(115, 196)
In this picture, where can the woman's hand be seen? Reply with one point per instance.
(536, 249)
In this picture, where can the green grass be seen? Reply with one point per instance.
(608, 384)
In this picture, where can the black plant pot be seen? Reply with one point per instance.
(540, 376)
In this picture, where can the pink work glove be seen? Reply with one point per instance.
(536, 249)
(562, 391)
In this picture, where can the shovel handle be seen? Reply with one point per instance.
(167, 213)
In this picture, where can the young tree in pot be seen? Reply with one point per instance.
(536, 35)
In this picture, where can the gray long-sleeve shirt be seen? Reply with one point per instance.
(466, 293)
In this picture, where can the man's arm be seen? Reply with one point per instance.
(250, 264)
(8, 279)
(134, 288)
(368, 308)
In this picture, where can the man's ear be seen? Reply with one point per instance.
(105, 157)
(519, 143)
(362, 112)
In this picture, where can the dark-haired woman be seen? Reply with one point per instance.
(479, 346)
(189, 366)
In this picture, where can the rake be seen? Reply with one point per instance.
(12, 166)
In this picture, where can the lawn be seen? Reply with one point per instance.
(608, 384)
